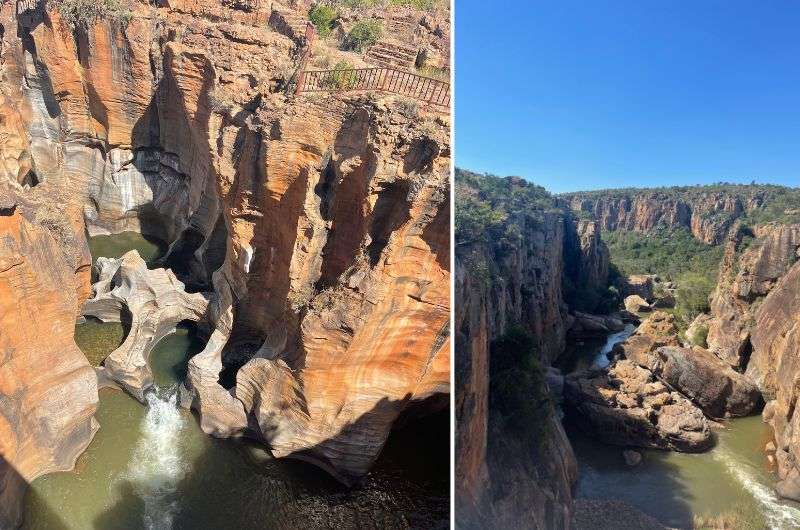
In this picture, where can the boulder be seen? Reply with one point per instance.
(626, 405)
(586, 325)
(641, 285)
(636, 304)
(711, 383)
(660, 324)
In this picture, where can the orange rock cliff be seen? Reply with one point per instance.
(316, 226)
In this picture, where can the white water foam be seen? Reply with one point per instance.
(158, 465)
(779, 516)
(601, 359)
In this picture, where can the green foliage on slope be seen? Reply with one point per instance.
(519, 404)
(669, 253)
(485, 202)
(85, 13)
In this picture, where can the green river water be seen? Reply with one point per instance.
(732, 478)
(151, 467)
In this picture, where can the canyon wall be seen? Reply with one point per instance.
(708, 213)
(48, 390)
(514, 277)
(320, 223)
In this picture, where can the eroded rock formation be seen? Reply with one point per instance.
(747, 274)
(319, 223)
(775, 360)
(512, 280)
(152, 301)
(48, 390)
(709, 214)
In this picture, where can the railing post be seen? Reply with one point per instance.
(310, 37)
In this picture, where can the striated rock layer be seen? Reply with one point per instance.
(48, 390)
(320, 223)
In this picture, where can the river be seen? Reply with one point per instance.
(151, 467)
(731, 479)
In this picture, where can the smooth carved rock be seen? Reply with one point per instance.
(153, 300)
(626, 405)
(320, 218)
(701, 376)
(698, 374)
(48, 390)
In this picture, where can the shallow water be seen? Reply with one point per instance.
(115, 245)
(674, 487)
(152, 467)
(97, 339)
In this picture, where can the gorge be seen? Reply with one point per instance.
(572, 410)
(157, 173)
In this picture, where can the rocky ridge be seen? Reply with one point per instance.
(709, 212)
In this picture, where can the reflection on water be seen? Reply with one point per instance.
(674, 487)
(154, 468)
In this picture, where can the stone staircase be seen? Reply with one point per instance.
(401, 27)
(288, 22)
(392, 55)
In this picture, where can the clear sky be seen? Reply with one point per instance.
(587, 94)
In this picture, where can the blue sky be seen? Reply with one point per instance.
(599, 94)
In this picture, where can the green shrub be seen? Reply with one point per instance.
(342, 77)
(700, 337)
(358, 4)
(484, 204)
(322, 16)
(519, 403)
(85, 13)
(364, 34)
(668, 253)
(691, 296)
(425, 5)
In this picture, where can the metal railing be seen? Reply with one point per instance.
(383, 79)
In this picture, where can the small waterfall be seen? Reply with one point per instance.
(779, 516)
(158, 465)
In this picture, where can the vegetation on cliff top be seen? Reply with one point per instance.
(85, 13)
(485, 202)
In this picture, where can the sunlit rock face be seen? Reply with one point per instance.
(709, 215)
(319, 225)
(747, 275)
(48, 390)
(776, 345)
